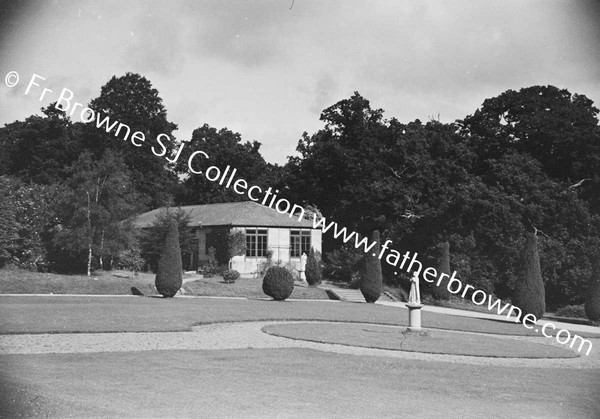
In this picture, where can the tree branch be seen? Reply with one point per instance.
(398, 175)
(578, 183)
(410, 214)
(536, 231)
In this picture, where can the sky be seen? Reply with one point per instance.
(266, 69)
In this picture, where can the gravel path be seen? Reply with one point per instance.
(250, 335)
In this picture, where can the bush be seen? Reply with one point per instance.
(372, 279)
(529, 294)
(264, 266)
(278, 283)
(443, 266)
(592, 303)
(169, 276)
(313, 270)
(342, 263)
(230, 276)
(574, 311)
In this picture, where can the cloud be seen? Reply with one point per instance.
(270, 71)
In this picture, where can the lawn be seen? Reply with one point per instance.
(290, 383)
(20, 281)
(56, 314)
(266, 382)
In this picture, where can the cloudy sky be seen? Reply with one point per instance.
(266, 69)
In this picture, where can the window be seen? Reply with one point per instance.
(299, 242)
(256, 242)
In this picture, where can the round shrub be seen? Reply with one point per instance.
(278, 283)
(169, 276)
(230, 275)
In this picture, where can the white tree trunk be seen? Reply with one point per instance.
(90, 236)
(101, 250)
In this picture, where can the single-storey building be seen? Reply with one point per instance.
(267, 232)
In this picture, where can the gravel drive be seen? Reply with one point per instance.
(250, 335)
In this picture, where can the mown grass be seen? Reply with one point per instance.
(74, 314)
(19, 281)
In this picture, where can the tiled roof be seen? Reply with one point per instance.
(236, 214)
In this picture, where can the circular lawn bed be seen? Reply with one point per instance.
(428, 341)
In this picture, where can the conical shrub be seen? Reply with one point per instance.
(592, 303)
(443, 266)
(529, 293)
(313, 271)
(371, 276)
(169, 276)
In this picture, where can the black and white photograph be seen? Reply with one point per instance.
(300, 209)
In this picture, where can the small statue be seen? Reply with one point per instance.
(415, 294)
(303, 259)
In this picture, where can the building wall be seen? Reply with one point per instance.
(278, 241)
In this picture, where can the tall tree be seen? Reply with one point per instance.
(8, 223)
(39, 149)
(131, 100)
(101, 195)
(555, 127)
(224, 148)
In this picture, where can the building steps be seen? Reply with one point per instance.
(354, 296)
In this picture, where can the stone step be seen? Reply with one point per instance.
(349, 295)
(355, 296)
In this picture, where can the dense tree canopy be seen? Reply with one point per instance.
(526, 162)
(223, 147)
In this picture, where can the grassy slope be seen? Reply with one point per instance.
(19, 281)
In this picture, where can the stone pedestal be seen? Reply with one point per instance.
(414, 317)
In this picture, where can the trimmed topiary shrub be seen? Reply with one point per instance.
(371, 281)
(529, 294)
(230, 276)
(169, 276)
(443, 266)
(313, 270)
(278, 283)
(592, 303)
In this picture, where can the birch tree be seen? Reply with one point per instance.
(101, 196)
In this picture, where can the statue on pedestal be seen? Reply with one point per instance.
(415, 294)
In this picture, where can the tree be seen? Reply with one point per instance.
(592, 303)
(8, 223)
(443, 266)
(37, 209)
(529, 293)
(169, 276)
(313, 270)
(223, 147)
(40, 149)
(132, 100)
(555, 127)
(152, 240)
(371, 279)
(100, 196)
